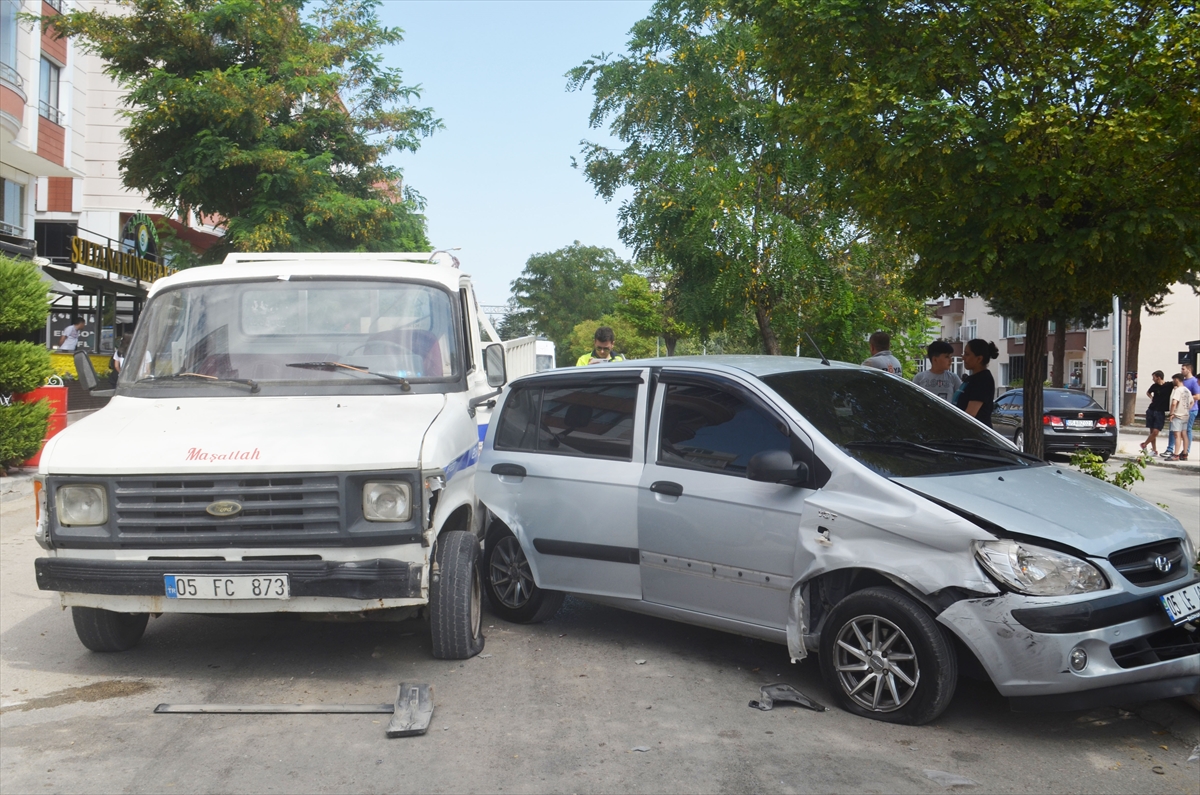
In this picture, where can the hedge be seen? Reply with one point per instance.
(24, 297)
(22, 427)
(24, 366)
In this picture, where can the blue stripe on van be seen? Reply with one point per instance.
(465, 461)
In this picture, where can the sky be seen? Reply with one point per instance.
(498, 178)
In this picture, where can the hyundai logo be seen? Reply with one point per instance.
(224, 508)
(1162, 563)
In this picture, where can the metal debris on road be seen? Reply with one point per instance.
(639, 662)
(641, 749)
(769, 694)
(413, 710)
(949, 779)
(273, 709)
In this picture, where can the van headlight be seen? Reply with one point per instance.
(1036, 571)
(386, 501)
(81, 505)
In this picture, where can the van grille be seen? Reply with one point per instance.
(1137, 563)
(300, 507)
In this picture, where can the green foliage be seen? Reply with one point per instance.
(24, 366)
(270, 116)
(558, 289)
(22, 428)
(24, 299)
(629, 342)
(1130, 472)
(650, 311)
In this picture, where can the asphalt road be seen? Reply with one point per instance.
(557, 707)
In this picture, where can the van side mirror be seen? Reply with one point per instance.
(777, 466)
(493, 365)
(87, 375)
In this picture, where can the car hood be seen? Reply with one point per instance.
(1054, 503)
(250, 434)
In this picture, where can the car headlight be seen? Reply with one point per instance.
(1037, 571)
(386, 501)
(81, 505)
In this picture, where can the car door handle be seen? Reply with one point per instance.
(515, 470)
(666, 487)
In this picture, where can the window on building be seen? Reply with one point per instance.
(1100, 373)
(8, 41)
(12, 208)
(956, 364)
(1075, 374)
(966, 332)
(48, 91)
(1014, 328)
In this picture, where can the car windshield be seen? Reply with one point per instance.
(1066, 399)
(295, 336)
(892, 426)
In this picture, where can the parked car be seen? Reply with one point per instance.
(1071, 421)
(838, 510)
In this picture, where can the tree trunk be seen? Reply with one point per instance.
(1058, 378)
(670, 342)
(770, 342)
(1035, 356)
(1132, 339)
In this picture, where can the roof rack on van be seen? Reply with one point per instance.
(437, 257)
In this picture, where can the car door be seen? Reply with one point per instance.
(563, 473)
(1007, 415)
(711, 540)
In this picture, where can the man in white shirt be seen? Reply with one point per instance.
(70, 335)
(881, 353)
(939, 378)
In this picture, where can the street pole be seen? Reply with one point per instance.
(1116, 381)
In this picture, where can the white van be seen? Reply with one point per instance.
(290, 433)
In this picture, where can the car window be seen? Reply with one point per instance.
(1068, 400)
(891, 425)
(1014, 400)
(714, 429)
(594, 420)
(1004, 402)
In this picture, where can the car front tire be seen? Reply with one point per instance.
(510, 587)
(456, 597)
(105, 631)
(885, 657)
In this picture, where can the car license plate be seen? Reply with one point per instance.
(1182, 605)
(240, 586)
(1079, 423)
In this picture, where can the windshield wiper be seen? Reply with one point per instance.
(254, 387)
(330, 366)
(928, 450)
(979, 443)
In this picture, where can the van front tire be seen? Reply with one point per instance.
(104, 630)
(456, 597)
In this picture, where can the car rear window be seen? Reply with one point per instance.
(593, 420)
(1068, 400)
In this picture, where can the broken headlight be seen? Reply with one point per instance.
(1037, 571)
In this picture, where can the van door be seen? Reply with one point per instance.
(711, 540)
(566, 461)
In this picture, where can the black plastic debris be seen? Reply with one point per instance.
(413, 710)
(769, 695)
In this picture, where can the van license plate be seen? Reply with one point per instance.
(240, 586)
(1182, 605)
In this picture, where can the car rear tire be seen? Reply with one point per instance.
(1019, 440)
(885, 657)
(456, 597)
(513, 594)
(104, 630)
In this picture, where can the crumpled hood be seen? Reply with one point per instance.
(251, 434)
(1054, 503)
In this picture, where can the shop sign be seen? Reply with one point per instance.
(85, 252)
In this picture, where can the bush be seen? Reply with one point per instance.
(22, 428)
(24, 366)
(24, 298)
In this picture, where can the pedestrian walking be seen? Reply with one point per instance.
(1180, 414)
(939, 378)
(977, 394)
(602, 349)
(881, 357)
(70, 335)
(1156, 414)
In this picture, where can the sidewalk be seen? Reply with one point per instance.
(1131, 436)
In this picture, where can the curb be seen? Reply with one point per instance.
(1183, 466)
(17, 484)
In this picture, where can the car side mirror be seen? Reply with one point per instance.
(777, 466)
(493, 365)
(87, 375)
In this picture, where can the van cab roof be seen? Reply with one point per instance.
(423, 266)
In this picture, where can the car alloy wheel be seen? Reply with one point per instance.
(1019, 441)
(876, 664)
(512, 581)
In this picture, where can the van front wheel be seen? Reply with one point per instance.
(456, 597)
(104, 630)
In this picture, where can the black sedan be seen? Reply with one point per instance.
(1071, 421)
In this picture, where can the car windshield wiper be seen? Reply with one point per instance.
(330, 366)
(980, 444)
(926, 449)
(254, 387)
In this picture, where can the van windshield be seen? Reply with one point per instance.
(892, 426)
(296, 336)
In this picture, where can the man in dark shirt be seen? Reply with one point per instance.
(1156, 414)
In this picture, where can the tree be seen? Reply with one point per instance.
(650, 311)
(630, 342)
(722, 200)
(558, 289)
(24, 366)
(1044, 155)
(272, 119)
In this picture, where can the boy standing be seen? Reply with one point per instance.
(1181, 404)
(939, 378)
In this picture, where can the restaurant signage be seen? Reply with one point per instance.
(85, 252)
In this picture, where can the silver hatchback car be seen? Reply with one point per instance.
(842, 511)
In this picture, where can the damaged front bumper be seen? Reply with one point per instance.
(1128, 648)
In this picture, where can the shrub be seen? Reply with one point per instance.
(24, 366)
(22, 427)
(24, 299)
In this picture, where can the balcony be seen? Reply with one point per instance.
(12, 102)
(952, 306)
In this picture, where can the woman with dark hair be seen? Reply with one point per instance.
(977, 394)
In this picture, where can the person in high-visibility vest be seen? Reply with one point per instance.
(602, 349)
